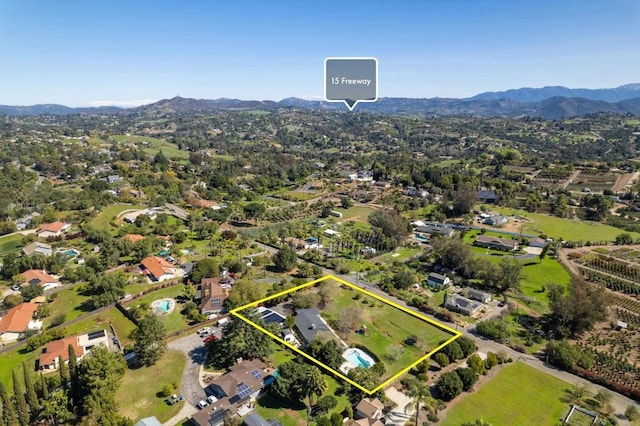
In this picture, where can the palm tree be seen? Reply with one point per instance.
(316, 384)
(420, 395)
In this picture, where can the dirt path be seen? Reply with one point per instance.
(625, 180)
(566, 183)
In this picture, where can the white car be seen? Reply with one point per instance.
(16, 287)
(204, 330)
(211, 399)
(202, 404)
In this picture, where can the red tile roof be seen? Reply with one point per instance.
(59, 348)
(36, 276)
(51, 227)
(134, 238)
(157, 266)
(17, 318)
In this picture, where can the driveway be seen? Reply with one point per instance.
(398, 416)
(192, 346)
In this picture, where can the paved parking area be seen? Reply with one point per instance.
(192, 346)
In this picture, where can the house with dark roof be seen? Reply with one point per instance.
(487, 196)
(496, 220)
(148, 421)
(308, 324)
(255, 419)
(537, 242)
(234, 391)
(496, 243)
(438, 281)
(435, 229)
(213, 295)
(478, 295)
(462, 305)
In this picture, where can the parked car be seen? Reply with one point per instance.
(211, 399)
(202, 404)
(15, 287)
(210, 338)
(204, 330)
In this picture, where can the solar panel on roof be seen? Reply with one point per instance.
(243, 391)
(95, 334)
(256, 374)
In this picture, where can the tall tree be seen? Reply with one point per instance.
(420, 397)
(315, 384)
(285, 259)
(31, 396)
(63, 371)
(74, 386)
(22, 409)
(149, 340)
(44, 388)
(8, 411)
(54, 408)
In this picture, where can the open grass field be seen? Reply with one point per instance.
(297, 195)
(173, 321)
(153, 145)
(504, 400)
(10, 243)
(538, 275)
(69, 302)
(387, 328)
(13, 360)
(101, 320)
(356, 213)
(110, 212)
(567, 229)
(140, 395)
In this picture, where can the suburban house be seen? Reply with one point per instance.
(158, 269)
(54, 229)
(331, 233)
(383, 184)
(435, 229)
(213, 295)
(368, 251)
(235, 391)
(297, 243)
(369, 412)
(438, 281)
(17, 320)
(41, 278)
(537, 242)
(496, 243)
(270, 316)
(131, 217)
(148, 421)
(496, 220)
(134, 238)
(412, 191)
(255, 419)
(37, 248)
(308, 324)
(50, 356)
(462, 305)
(478, 295)
(487, 196)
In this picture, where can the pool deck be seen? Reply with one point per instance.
(172, 306)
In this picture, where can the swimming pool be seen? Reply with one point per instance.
(163, 306)
(357, 358)
(420, 237)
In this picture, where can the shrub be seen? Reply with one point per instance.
(168, 389)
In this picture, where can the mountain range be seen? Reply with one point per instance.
(551, 102)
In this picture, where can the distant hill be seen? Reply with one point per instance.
(56, 110)
(490, 104)
(528, 94)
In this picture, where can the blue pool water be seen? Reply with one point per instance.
(163, 306)
(70, 252)
(420, 237)
(358, 360)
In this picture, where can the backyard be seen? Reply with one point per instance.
(173, 321)
(10, 243)
(503, 400)
(139, 394)
(387, 328)
(110, 212)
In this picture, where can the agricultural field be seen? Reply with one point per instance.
(139, 393)
(503, 400)
(596, 182)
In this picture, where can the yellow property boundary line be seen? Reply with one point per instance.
(236, 312)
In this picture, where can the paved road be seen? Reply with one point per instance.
(192, 346)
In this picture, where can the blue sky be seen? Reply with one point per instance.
(86, 53)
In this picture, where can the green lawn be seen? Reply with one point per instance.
(517, 395)
(70, 303)
(140, 395)
(357, 213)
(387, 327)
(567, 229)
(110, 212)
(10, 243)
(122, 325)
(297, 195)
(13, 360)
(156, 145)
(537, 275)
(174, 321)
